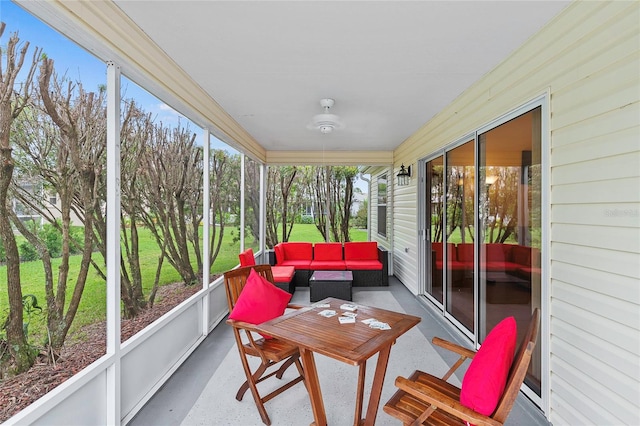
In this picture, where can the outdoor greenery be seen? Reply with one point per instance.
(93, 304)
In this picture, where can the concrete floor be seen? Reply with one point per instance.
(171, 404)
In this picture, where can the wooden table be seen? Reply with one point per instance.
(350, 343)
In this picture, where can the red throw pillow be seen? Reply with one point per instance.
(259, 301)
(486, 377)
(247, 258)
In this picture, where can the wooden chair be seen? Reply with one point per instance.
(426, 399)
(270, 351)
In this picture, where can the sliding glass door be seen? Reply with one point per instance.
(509, 164)
(482, 204)
(459, 233)
(434, 197)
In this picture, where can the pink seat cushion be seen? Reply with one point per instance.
(486, 377)
(247, 258)
(259, 301)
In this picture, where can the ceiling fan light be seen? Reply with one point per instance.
(326, 128)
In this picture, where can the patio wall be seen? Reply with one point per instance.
(586, 62)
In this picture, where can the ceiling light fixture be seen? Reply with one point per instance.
(325, 122)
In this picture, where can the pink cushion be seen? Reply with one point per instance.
(363, 250)
(486, 377)
(247, 258)
(259, 301)
(327, 251)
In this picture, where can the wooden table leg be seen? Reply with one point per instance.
(376, 387)
(360, 393)
(313, 386)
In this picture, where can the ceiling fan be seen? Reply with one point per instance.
(326, 122)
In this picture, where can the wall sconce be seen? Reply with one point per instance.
(404, 175)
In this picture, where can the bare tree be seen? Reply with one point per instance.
(171, 174)
(71, 158)
(224, 181)
(12, 102)
(284, 194)
(252, 197)
(333, 194)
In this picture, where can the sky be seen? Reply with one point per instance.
(80, 65)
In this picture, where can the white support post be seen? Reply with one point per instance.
(242, 176)
(263, 212)
(206, 226)
(113, 243)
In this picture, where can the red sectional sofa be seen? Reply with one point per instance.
(282, 275)
(367, 261)
(520, 261)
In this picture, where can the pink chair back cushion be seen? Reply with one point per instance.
(259, 301)
(247, 258)
(486, 377)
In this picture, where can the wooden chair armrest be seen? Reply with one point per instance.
(443, 402)
(242, 325)
(450, 346)
(295, 306)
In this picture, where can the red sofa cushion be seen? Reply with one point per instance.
(297, 251)
(465, 252)
(361, 250)
(328, 265)
(247, 258)
(363, 264)
(283, 274)
(259, 301)
(279, 253)
(495, 252)
(327, 251)
(486, 377)
(521, 255)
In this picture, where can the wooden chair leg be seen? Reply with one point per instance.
(288, 363)
(256, 376)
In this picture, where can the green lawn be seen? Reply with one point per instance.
(93, 304)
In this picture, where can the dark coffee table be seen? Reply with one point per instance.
(323, 284)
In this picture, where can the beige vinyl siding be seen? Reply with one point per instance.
(587, 60)
(405, 237)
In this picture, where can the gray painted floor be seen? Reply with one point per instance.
(171, 404)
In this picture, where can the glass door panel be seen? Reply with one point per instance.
(509, 221)
(459, 232)
(435, 223)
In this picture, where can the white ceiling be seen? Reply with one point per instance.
(389, 65)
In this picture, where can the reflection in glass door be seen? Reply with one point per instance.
(509, 220)
(434, 198)
(459, 232)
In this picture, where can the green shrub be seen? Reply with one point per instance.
(27, 252)
(306, 219)
(53, 239)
